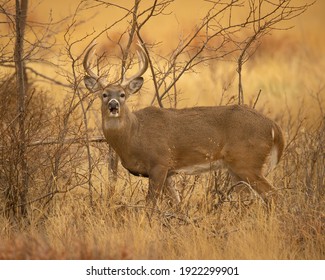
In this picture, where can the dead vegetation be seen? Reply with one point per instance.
(77, 208)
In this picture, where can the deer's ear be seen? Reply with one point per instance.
(92, 84)
(135, 85)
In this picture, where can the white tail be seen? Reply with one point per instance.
(158, 143)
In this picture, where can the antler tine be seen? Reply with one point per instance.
(143, 65)
(86, 64)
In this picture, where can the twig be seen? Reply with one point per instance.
(257, 97)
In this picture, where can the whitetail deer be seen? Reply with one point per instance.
(158, 143)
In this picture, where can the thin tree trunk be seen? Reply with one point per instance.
(21, 12)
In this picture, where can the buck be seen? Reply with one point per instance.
(158, 143)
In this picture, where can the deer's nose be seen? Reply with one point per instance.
(113, 104)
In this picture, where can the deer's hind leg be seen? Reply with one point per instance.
(250, 170)
(256, 180)
(246, 165)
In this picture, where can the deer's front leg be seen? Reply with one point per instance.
(157, 180)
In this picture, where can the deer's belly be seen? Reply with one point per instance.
(200, 168)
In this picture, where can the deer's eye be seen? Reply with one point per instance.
(122, 95)
(105, 95)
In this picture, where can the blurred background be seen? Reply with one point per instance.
(288, 61)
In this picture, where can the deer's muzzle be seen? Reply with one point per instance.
(114, 107)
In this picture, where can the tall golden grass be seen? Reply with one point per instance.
(289, 69)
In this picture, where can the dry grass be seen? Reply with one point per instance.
(293, 229)
(206, 226)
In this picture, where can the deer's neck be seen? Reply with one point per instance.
(118, 131)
